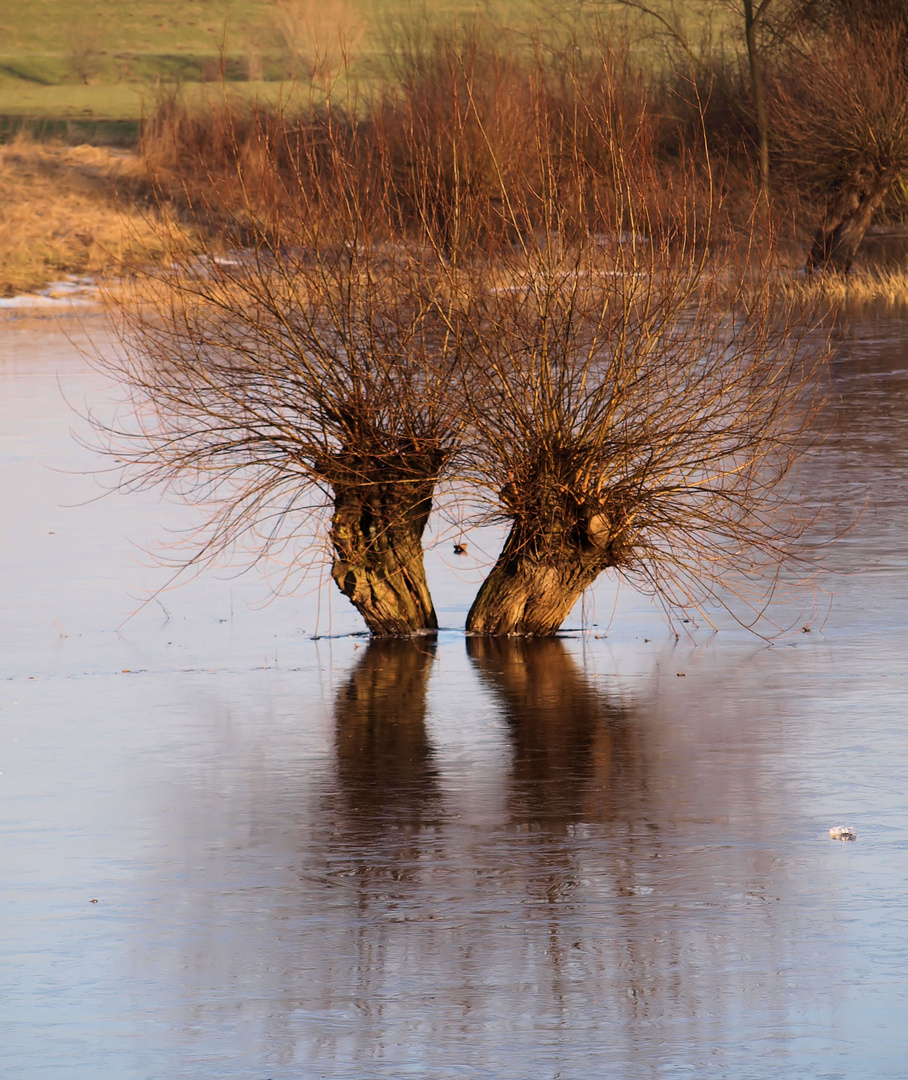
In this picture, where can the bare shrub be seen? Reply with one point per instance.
(87, 59)
(460, 124)
(468, 115)
(320, 37)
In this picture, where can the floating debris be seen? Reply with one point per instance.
(843, 832)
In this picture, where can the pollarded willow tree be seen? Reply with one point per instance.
(305, 368)
(636, 396)
(515, 301)
(640, 420)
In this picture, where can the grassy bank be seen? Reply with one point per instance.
(68, 210)
(866, 284)
(448, 105)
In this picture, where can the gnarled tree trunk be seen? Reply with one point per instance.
(837, 241)
(381, 508)
(545, 567)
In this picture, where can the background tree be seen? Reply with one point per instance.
(823, 98)
(712, 32)
(319, 37)
(840, 117)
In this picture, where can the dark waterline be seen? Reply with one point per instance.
(599, 856)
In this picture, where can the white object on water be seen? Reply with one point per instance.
(843, 832)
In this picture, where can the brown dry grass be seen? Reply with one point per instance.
(869, 285)
(69, 210)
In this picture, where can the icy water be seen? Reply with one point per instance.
(230, 851)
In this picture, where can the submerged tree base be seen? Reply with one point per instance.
(376, 531)
(532, 599)
(531, 589)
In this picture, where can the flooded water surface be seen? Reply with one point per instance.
(232, 851)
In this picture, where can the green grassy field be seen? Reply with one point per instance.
(68, 59)
(49, 27)
(64, 58)
(94, 61)
(90, 64)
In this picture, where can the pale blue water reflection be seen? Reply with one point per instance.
(603, 856)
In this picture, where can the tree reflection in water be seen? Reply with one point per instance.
(385, 766)
(387, 790)
(578, 771)
(576, 761)
(518, 869)
(398, 853)
(577, 754)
